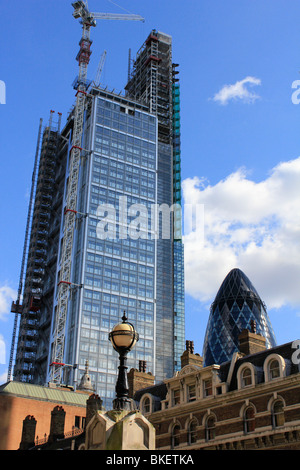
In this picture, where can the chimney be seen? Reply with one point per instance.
(28, 433)
(93, 405)
(57, 426)
(139, 378)
(189, 357)
(251, 342)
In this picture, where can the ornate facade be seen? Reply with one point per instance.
(250, 402)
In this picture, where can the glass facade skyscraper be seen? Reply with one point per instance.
(154, 80)
(178, 249)
(236, 306)
(116, 268)
(121, 257)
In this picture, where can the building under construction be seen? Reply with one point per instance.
(35, 299)
(153, 79)
(74, 285)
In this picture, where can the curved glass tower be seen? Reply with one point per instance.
(236, 306)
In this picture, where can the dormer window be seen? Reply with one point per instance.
(191, 392)
(246, 375)
(176, 396)
(274, 370)
(207, 388)
(275, 367)
(246, 378)
(146, 405)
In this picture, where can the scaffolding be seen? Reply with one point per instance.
(150, 80)
(153, 80)
(34, 254)
(16, 306)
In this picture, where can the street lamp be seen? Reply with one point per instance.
(123, 338)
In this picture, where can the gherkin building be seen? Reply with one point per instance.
(237, 306)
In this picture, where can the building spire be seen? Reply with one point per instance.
(85, 382)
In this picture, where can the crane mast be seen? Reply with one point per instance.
(64, 282)
(83, 58)
(100, 67)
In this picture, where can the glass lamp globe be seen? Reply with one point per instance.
(123, 336)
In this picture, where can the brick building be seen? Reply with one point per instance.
(249, 402)
(33, 414)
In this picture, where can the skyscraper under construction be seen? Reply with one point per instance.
(129, 159)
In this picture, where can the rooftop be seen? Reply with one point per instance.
(39, 392)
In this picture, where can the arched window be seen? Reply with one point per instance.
(210, 428)
(277, 414)
(192, 433)
(274, 369)
(249, 419)
(146, 405)
(246, 377)
(175, 436)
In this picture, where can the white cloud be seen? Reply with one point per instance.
(253, 226)
(238, 91)
(7, 295)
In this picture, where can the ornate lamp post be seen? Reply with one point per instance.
(123, 338)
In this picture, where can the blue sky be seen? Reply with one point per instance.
(240, 134)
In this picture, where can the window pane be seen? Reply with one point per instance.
(146, 405)
(192, 433)
(246, 378)
(249, 420)
(191, 392)
(274, 369)
(175, 436)
(176, 396)
(207, 388)
(210, 428)
(278, 414)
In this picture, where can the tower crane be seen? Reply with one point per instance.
(99, 70)
(88, 20)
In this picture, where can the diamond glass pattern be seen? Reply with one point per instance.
(236, 305)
